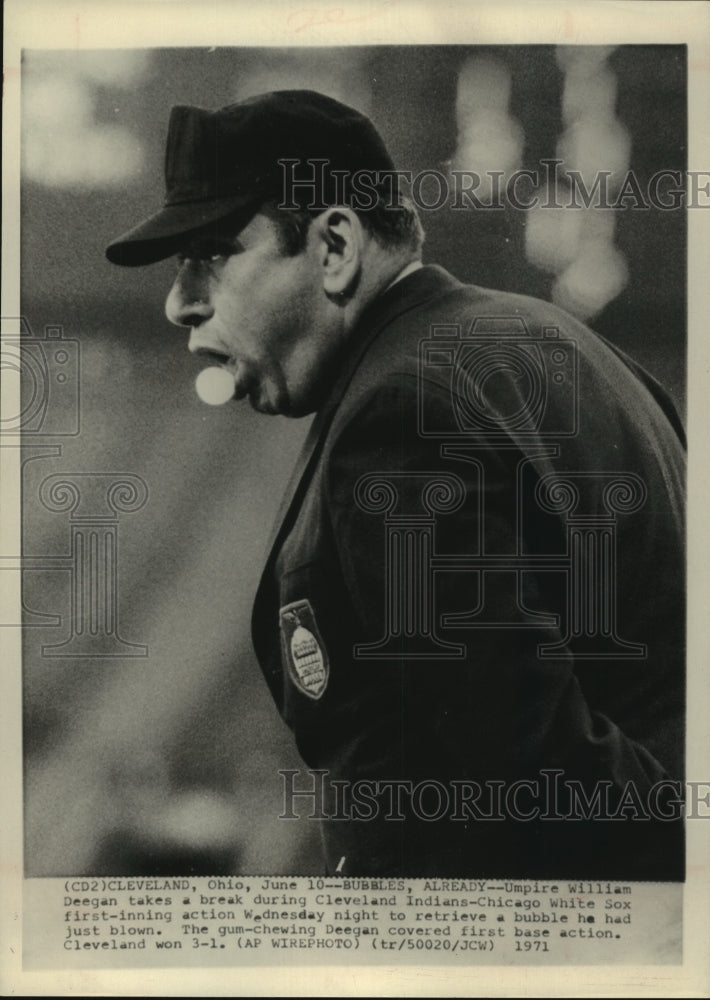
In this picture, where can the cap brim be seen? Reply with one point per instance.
(166, 232)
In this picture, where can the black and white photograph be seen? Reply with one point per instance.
(354, 582)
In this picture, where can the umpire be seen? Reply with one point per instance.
(472, 611)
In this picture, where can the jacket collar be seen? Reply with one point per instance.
(403, 295)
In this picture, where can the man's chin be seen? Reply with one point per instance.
(281, 404)
(261, 402)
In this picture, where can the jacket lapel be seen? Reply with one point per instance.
(399, 298)
(406, 294)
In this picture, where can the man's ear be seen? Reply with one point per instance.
(341, 244)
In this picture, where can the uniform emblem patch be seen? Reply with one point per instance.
(303, 648)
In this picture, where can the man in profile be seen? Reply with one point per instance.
(471, 614)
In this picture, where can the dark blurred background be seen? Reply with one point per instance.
(168, 762)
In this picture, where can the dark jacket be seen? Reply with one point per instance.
(476, 588)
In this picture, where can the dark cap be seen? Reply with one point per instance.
(225, 164)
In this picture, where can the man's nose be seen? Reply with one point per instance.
(188, 301)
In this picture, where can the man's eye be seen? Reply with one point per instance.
(218, 249)
(210, 253)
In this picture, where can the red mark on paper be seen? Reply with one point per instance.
(313, 17)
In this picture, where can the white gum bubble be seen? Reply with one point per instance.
(215, 386)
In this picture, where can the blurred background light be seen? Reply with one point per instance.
(591, 95)
(483, 82)
(555, 236)
(552, 235)
(577, 244)
(595, 277)
(584, 60)
(64, 144)
(54, 104)
(489, 137)
(592, 145)
(93, 157)
(116, 67)
(341, 75)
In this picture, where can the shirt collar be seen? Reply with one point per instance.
(409, 269)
